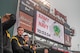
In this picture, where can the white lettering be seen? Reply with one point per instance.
(27, 5)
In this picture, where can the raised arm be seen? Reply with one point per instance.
(10, 22)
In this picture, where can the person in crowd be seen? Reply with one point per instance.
(17, 41)
(1, 39)
(26, 38)
(19, 44)
(34, 48)
(46, 50)
(7, 21)
(28, 49)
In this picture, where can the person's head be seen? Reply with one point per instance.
(26, 38)
(5, 18)
(34, 47)
(46, 50)
(20, 31)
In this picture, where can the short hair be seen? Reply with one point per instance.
(33, 44)
(25, 35)
(19, 27)
(46, 48)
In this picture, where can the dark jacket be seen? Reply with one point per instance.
(1, 39)
(6, 40)
(33, 51)
(18, 45)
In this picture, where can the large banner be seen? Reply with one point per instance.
(26, 21)
(27, 7)
(49, 28)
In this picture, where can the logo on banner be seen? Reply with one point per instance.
(56, 30)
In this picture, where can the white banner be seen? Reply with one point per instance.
(49, 28)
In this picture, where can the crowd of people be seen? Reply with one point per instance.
(17, 43)
(20, 44)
